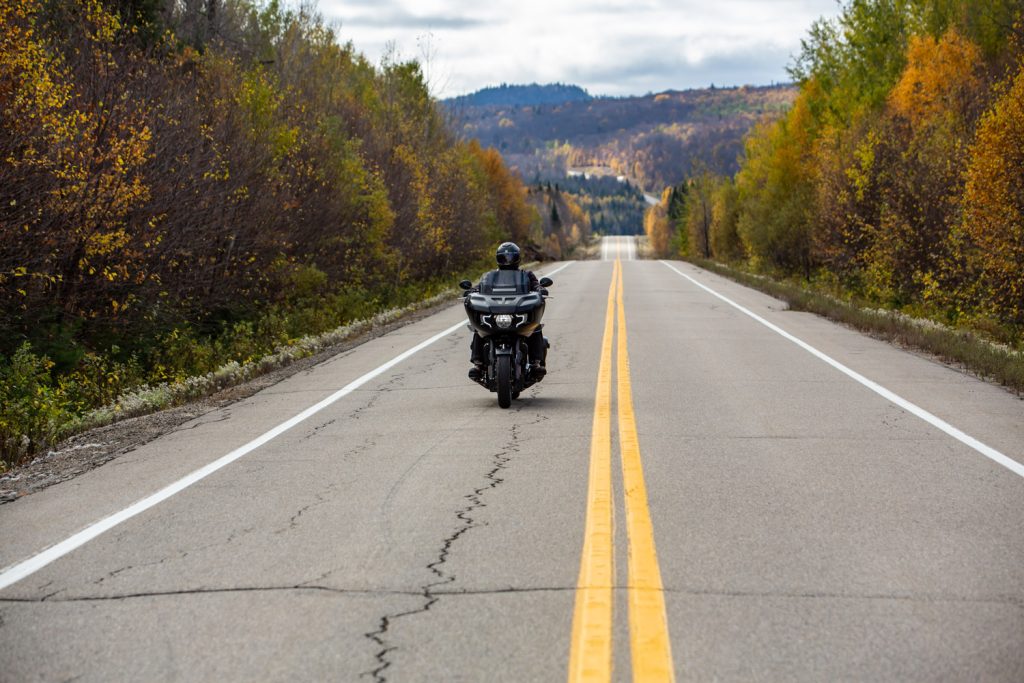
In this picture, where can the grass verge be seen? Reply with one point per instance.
(972, 352)
(148, 399)
(49, 426)
(41, 419)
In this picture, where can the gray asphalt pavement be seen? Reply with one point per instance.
(620, 247)
(806, 528)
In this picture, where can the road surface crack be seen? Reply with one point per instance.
(394, 382)
(316, 429)
(303, 587)
(224, 417)
(177, 556)
(211, 591)
(1014, 600)
(430, 591)
(320, 498)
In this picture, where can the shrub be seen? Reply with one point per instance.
(31, 407)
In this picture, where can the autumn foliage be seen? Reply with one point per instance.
(993, 225)
(563, 225)
(658, 226)
(182, 186)
(897, 176)
(652, 139)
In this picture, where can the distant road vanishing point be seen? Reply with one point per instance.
(618, 247)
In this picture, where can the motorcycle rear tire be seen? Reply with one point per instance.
(504, 381)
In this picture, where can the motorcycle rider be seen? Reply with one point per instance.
(508, 257)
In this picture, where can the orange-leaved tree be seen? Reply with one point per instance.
(993, 222)
(921, 150)
(657, 226)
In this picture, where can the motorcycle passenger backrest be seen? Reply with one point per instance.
(507, 282)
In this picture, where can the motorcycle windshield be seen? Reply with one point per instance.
(505, 283)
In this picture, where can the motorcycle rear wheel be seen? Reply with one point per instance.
(504, 381)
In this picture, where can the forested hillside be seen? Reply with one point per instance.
(613, 205)
(656, 140)
(185, 184)
(897, 177)
(506, 95)
(565, 224)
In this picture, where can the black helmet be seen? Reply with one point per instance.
(508, 256)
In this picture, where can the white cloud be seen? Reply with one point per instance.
(610, 47)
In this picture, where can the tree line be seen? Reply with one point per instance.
(897, 176)
(187, 183)
(653, 139)
(614, 207)
(564, 223)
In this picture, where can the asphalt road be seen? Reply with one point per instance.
(618, 247)
(802, 526)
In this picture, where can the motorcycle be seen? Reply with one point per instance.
(504, 313)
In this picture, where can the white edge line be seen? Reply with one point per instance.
(19, 571)
(934, 420)
(559, 269)
(16, 572)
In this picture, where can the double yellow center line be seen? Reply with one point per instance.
(591, 651)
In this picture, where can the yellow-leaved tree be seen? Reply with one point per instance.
(940, 79)
(993, 202)
(918, 151)
(657, 226)
(72, 160)
(776, 187)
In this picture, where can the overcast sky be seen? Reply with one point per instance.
(610, 47)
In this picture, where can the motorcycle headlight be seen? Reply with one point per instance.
(503, 321)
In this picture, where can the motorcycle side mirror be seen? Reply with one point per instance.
(546, 282)
(465, 284)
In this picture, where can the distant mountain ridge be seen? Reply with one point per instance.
(654, 140)
(531, 95)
